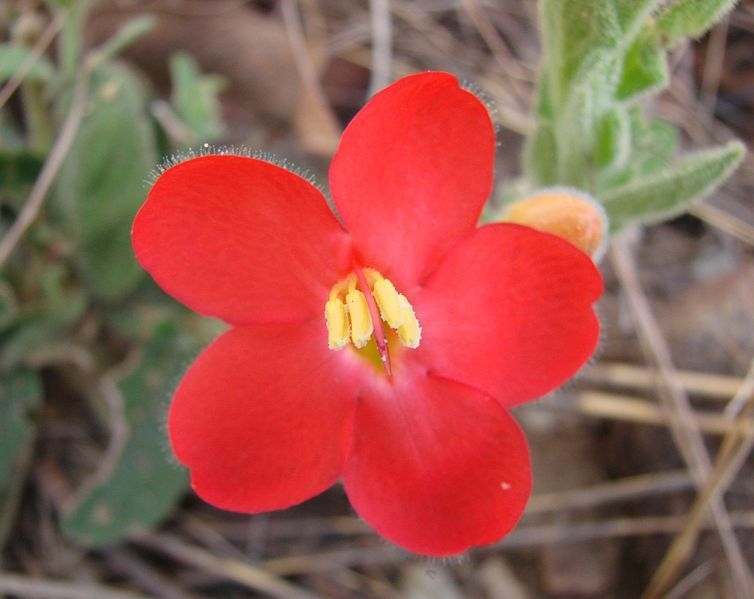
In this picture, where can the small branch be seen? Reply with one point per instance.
(510, 69)
(735, 449)
(39, 48)
(52, 165)
(257, 579)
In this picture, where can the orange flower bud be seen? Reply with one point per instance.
(567, 213)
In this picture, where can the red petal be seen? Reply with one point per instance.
(435, 466)
(510, 312)
(412, 173)
(241, 239)
(263, 417)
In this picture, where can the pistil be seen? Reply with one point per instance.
(379, 334)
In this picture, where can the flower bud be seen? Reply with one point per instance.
(568, 213)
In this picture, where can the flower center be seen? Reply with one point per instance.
(352, 313)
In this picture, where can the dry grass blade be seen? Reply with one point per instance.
(315, 120)
(544, 534)
(684, 428)
(26, 586)
(509, 67)
(257, 579)
(382, 54)
(634, 409)
(713, 68)
(724, 221)
(714, 386)
(633, 487)
(732, 455)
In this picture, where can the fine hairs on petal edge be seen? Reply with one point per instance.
(208, 149)
(486, 99)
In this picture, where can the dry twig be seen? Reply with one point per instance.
(52, 165)
(732, 455)
(683, 426)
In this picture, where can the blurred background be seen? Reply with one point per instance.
(637, 450)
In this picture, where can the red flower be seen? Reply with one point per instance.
(269, 416)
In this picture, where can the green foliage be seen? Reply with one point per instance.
(18, 170)
(13, 56)
(101, 184)
(690, 18)
(20, 394)
(140, 487)
(72, 297)
(195, 99)
(645, 68)
(130, 32)
(33, 326)
(670, 191)
(601, 61)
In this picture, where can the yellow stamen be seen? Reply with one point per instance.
(343, 287)
(361, 323)
(349, 316)
(387, 301)
(410, 333)
(338, 330)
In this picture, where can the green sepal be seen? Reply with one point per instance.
(670, 191)
(144, 483)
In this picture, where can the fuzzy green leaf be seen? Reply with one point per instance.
(144, 482)
(645, 68)
(572, 30)
(632, 13)
(671, 191)
(613, 138)
(102, 182)
(540, 156)
(576, 127)
(20, 394)
(690, 18)
(12, 56)
(653, 145)
(195, 98)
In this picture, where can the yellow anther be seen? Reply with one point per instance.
(387, 301)
(338, 330)
(410, 333)
(343, 287)
(361, 322)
